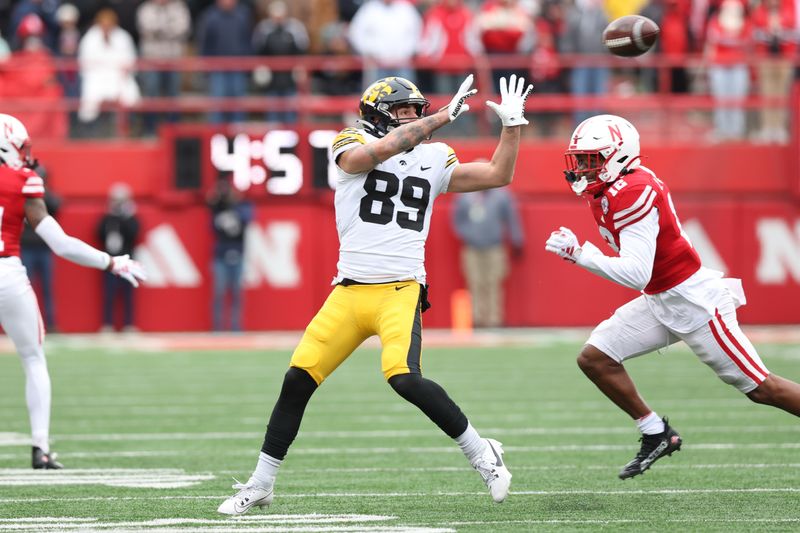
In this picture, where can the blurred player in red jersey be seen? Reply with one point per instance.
(22, 197)
(681, 299)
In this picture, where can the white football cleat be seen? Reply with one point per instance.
(249, 496)
(493, 470)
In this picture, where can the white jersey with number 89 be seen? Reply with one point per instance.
(383, 215)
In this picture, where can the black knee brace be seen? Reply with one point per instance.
(298, 386)
(432, 400)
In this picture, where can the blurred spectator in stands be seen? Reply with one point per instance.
(69, 37)
(30, 75)
(584, 24)
(38, 258)
(674, 39)
(164, 27)
(450, 41)
(385, 33)
(230, 216)
(483, 221)
(728, 43)
(776, 46)
(127, 13)
(5, 49)
(107, 57)
(118, 231)
(225, 30)
(279, 35)
(699, 15)
(332, 80)
(5, 14)
(546, 73)
(505, 28)
(315, 15)
(349, 8)
(45, 10)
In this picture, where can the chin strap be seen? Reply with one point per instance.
(371, 128)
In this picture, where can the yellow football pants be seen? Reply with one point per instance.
(354, 313)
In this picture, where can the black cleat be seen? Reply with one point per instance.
(45, 461)
(654, 447)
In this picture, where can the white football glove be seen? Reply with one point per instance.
(457, 105)
(511, 108)
(128, 269)
(564, 244)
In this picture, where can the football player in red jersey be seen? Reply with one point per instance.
(21, 198)
(681, 299)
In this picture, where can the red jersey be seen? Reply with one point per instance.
(16, 186)
(628, 200)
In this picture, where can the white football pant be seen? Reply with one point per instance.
(22, 322)
(634, 330)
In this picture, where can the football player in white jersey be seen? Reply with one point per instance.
(388, 181)
(681, 299)
(21, 199)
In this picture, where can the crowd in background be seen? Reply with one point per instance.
(392, 37)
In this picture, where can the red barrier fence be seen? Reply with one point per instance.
(292, 257)
(737, 202)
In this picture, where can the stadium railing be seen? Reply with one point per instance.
(657, 103)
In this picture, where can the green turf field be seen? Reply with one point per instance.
(151, 441)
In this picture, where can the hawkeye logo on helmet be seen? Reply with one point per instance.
(377, 90)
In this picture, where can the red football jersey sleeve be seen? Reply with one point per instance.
(16, 185)
(631, 198)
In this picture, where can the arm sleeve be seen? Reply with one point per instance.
(70, 248)
(634, 266)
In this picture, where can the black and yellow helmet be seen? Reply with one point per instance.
(379, 99)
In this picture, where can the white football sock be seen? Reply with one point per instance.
(471, 443)
(651, 424)
(266, 470)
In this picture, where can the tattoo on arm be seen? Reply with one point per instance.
(410, 135)
(372, 155)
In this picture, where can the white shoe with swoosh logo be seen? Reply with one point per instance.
(493, 470)
(249, 496)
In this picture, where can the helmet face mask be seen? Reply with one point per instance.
(15, 144)
(378, 103)
(602, 149)
(583, 171)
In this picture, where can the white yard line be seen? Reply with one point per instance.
(135, 478)
(560, 448)
(432, 494)
(17, 439)
(601, 521)
(274, 522)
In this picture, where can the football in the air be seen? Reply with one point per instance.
(630, 36)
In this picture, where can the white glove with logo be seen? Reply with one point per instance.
(457, 105)
(511, 108)
(128, 269)
(564, 244)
